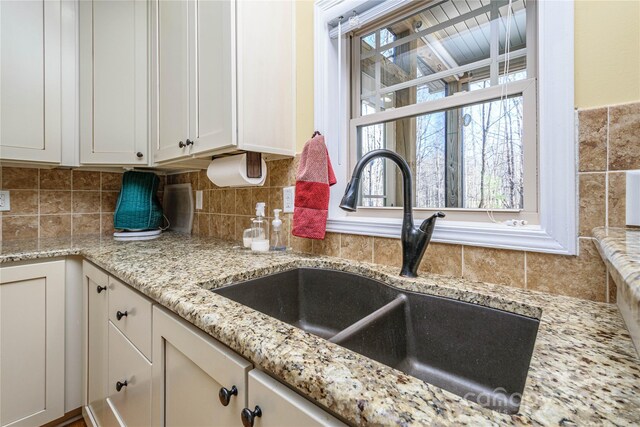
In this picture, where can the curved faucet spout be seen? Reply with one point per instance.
(414, 239)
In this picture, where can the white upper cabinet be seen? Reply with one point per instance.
(30, 125)
(113, 82)
(218, 88)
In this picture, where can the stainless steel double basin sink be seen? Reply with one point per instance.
(476, 352)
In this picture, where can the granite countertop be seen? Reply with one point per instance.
(584, 369)
(620, 249)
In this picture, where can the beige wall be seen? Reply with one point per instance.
(607, 56)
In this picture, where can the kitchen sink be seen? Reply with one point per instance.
(476, 352)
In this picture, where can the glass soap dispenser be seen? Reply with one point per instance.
(277, 241)
(259, 243)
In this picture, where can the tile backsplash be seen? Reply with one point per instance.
(59, 202)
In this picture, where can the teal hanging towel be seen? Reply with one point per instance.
(138, 207)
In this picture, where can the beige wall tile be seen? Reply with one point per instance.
(23, 202)
(582, 276)
(19, 227)
(55, 179)
(19, 178)
(282, 172)
(275, 198)
(215, 225)
(204, 224)
(387, 251)
(111, 181)
(500, 266)
(442, 259)
(106, 219)
(85, 202)
(617, 215)
(55, 202)
(592, 208)
(357, 248)
(85, 180)
(85, 224)
(109, 200)
(624, 137)
(329, 246)
(55, 225)
(592, 139)
(204, 183)
(215, 199)
(300, 244)
(261, 194)
(227, 227)
(243, 202)
(228, 201)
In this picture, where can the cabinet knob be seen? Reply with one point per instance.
(247, 416)
(120, 315)
(189, 142)
(119, 385)
(182, 144)
(139, 154)
(225, 394)
(101, 288)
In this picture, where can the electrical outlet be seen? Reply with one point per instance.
(288, 196)
(199, 199)
(5, 201)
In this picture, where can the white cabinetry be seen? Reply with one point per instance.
(30, 85)
(32, 343)
(113, 82)
(218, 87)
(189, 371)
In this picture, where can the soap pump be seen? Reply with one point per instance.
(277, 243)
(259, 242)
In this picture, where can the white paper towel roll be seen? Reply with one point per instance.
(232, 172)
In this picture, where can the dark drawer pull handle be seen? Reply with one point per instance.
(139, 154)
(189, 142)
(101, 288)
(248, 416)
(181, 144)
(120, 314)
(225, 394)
(119, 385)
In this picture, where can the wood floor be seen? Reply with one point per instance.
(79, 423)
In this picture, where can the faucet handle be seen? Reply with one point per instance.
(429, 223)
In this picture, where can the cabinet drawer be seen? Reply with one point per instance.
(282, 407)
(135, 319)
(126, 364)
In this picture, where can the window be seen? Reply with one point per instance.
(419, 85)
(451, 87)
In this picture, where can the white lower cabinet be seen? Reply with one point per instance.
(273, 404)
(32, 343)
(191, 372)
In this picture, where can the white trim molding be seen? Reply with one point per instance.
(557, 190)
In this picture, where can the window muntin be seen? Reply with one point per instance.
(448, 50)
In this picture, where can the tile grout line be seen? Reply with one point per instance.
(38, 193)
(606, 181)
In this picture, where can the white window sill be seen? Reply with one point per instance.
(527, 238)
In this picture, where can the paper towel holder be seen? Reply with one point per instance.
(254, 164)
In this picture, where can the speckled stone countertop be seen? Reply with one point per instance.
(584, 370)
(620, 249)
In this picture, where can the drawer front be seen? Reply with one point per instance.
(282, 407)
(133, 402)
(134, 320)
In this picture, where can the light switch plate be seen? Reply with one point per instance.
(199, 199)
(5, 201)
(288, 197)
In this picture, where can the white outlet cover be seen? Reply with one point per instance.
(288, 197)
(633, 198)
(199, 199)
(5, 201)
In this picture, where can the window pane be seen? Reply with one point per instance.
(446, 46)
(465, 157)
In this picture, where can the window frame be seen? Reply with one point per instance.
(556, 181)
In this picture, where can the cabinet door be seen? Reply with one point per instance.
(171, 26)
(96, 342)
(282, 407)
(189, 370)
(266, 76)
(30, 128)
(212, 84)
(113, 82)
(32, 343)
